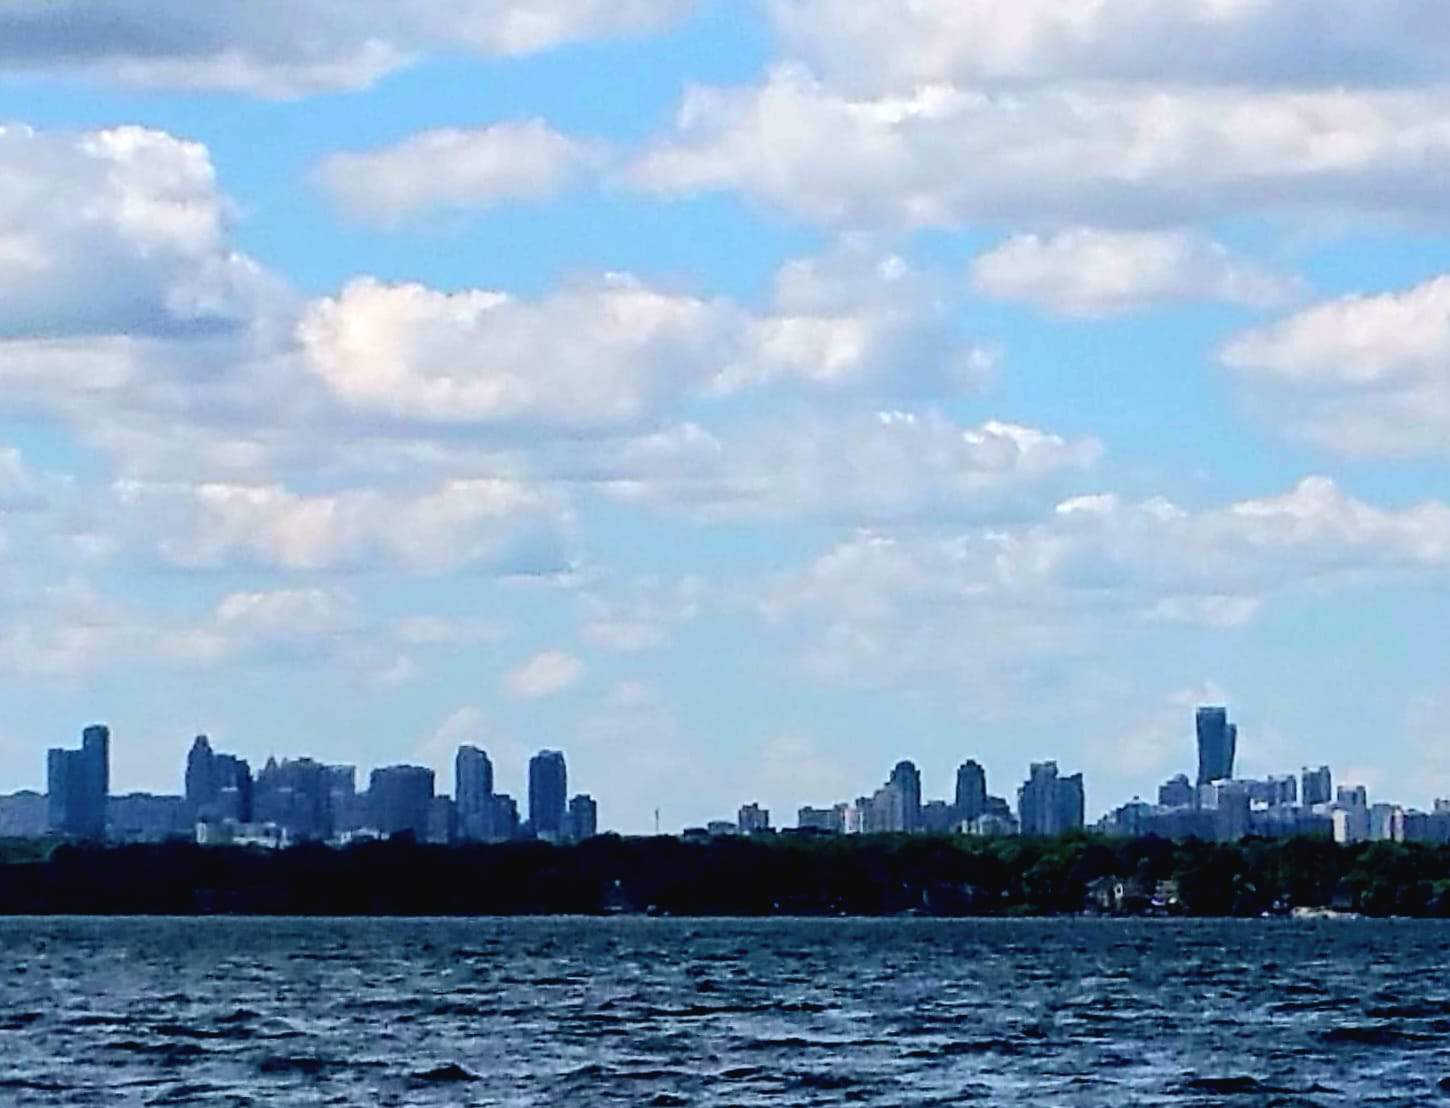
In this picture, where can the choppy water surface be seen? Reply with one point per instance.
(670, 1012)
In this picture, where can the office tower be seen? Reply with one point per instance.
(1070, 804)
(1217, 744)
(971, 791)
(200, 790)
(1318, 786)
(907, 778)
(218, 786)
(473, 793)
(401, 800)
(1050, 804)
(1177, 792)
(548, 793)
(583, 818)
(885, 812)
(752, 819)
(79, 782)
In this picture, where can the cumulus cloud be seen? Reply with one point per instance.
(498, 524)
(871, 467)
(456, 169)
(615, 350)
(885, 607)
(945, 156)
(881, 44)
(321, 45)
(116, 232)
(1087, 272)
(597, 353)
(544, 675)
(1359, 375)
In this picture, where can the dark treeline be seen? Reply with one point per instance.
(787, 875)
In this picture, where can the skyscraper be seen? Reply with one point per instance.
(1050, 804)
(971, 790)
(907, 778)
(79, 782)
(548, 793)
(473, 793)
(200, 790)
(401, 800)
(1217, 744)
(1318, 786)
(218, 786)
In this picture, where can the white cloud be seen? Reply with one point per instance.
(495, 523)
(544, 675)
(634, 616)
(886, 44)
(889, 609)
(1087, 272)
(321, 45)
(875, 466)
(1361, 375)
(117, 232)
(453, 169)
(946, 156)
(615, 351)
(592, 354)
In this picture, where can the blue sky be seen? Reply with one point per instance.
(739, 397)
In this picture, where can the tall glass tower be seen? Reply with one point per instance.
(1218, 741)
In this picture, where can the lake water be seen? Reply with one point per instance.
(676, 1012)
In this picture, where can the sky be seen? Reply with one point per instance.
(739, 396)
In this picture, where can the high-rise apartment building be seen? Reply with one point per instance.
(1050, 804)
(548, 793)
(907, 778)
(971, 798)
(473, 793)
(1217, 745)
(752, 819)
(1317, 786)
(79, 781)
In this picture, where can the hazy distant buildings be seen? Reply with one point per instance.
(548, 794)
(24, 815)
(442, 821)
(826, 820)
(503, 823)
(79, 782)
(1049, 804)
(752, 819)
(582, 820)
(298, 796)
(1176, 792)
(149, 818)
(1217, 744)
(400, 799)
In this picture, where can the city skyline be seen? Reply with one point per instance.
(762, 392)
(299, 798)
